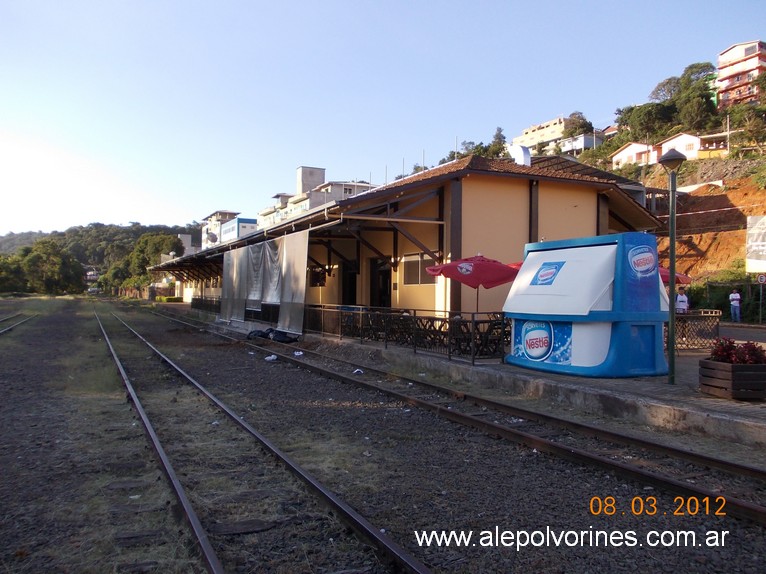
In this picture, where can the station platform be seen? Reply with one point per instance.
(643, 405)
(647, 402)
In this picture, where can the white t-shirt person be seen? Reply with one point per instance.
(735, 299)
(682, 301)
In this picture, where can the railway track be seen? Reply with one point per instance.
(697, 480)
(247, 504)
(6, 329)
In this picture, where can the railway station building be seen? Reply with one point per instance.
(370, 251)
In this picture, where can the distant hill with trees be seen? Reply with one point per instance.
(55, 263)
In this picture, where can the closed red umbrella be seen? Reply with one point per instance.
(681, 278)
(476, 272)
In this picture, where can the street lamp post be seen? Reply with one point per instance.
(671, 161)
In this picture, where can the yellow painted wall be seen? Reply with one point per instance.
(495, 224)
(330, 293)
(567, 211)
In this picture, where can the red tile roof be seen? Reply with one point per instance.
(496, 166)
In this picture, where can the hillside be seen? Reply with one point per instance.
(711, 222)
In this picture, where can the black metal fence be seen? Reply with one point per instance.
(207, 304)
(470, 336)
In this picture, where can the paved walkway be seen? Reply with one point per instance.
(645, 400)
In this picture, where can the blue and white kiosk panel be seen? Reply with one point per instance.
(589, 306)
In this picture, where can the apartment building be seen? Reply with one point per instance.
(738, 66)
(312, 191)
(543, 134)
(548, 138)
(211, 227)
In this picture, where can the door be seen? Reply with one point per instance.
(348, 284)
(380, 283)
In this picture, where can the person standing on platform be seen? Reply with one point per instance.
(682, 307)
(734, 301)
(682, 301)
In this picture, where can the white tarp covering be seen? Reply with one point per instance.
(583, 282)
(234, 287)
(264, 275)
(270, 272)
(294, 255)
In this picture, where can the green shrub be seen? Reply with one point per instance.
(759, 177)
(162, 299)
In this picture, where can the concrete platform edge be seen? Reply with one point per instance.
(618, 404)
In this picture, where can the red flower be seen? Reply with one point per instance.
(725, 350)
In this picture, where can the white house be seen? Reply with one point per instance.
(687, 144)
(578, 144)
(634, 152)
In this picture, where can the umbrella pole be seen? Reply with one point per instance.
(477, 298)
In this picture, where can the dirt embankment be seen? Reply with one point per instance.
(711, 221)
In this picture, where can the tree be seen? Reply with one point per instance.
(666, 90)
(497, 147)
(577, 124)
(760, 85)
(700, 73)
(652, 121)
(696, 111)
(12, 277)
(51, 270)
(753, 131)
(115, 276)
(148, 250)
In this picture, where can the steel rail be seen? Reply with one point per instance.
(2, 319)
(741, 508)
(350, 516)
(588, 430)
(697, 458)
(18, 323)
(209, 556)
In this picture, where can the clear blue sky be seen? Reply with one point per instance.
(163, 112)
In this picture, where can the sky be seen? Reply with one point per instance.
(165, 111)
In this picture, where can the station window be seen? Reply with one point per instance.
(415, 269)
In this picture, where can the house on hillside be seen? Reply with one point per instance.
(610, 131)
(575, 145)
(647, 154)
(714, 145)
(634, 152)
(686, 144)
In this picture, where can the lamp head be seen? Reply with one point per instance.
(671, 160)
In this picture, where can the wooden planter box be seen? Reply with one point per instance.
(732, 381)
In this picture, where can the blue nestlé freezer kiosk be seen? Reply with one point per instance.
(591, 306)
